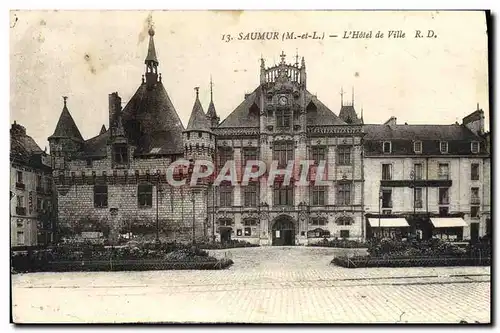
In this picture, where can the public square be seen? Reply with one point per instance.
(265, 285)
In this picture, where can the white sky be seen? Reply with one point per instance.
(437, 80)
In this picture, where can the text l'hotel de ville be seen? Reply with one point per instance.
(320, 35)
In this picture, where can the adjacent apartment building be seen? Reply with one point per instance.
(428, 180)
(31, 197)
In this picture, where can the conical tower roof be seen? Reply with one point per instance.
(66, 126)
(198, 120)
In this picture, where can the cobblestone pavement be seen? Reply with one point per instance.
(267, 284)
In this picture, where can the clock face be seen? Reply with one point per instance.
(283, 100)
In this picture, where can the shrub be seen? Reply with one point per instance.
(228, 245)
(340, 243)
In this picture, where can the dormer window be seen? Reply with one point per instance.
(120, 154)
(474, 147)
(387, 147)
(443, 147)
(417, 147)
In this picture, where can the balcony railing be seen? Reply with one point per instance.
(20, 186)
(443, 176)
(444, 201)
(386, 204)
(475, 201)
(21, 210)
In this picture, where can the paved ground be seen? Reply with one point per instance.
(267, 284)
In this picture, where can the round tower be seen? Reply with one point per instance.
(199, 140)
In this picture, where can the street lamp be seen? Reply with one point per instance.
(412, 185)
(192, 200)
(380, 198)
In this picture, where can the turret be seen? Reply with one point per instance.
(199, 141)
(66, 139)
(211, 113)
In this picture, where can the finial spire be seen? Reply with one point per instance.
(477, 107)
(262, 63)
(341, 96)
(352, 96)
(65, 98)
(297, 57)
(197, 89)
(282, 55)
(211, 88)
(303, 64)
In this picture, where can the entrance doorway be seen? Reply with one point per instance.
(283, 232)
(474, 232)
(225, 234)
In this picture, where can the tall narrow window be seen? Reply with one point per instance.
(19, 177)
(250, 195)
(343, 155)
(387, 198)
(344, 194)
(386, 171)
(417, 168)
(100, 196)
(474, 171)
(474, 196)
(225, 154)
(444, 198)
(120, 154)
(418, 197)
(283, 118)
(443, 147)
(249, 154)
(145, 195)
(318, 195)
(283, 152)
(444, 171)
(283, 195)
(417, 147)
(318, 154)
(226, 195)
(474, 147)
(386, 146)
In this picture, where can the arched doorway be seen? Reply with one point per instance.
(283, 231)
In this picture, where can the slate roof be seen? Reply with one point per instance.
(151, 121)
(402, 137)
(322, 114)
(23, 149)
(103, 129)
(66, 127)
(211, 113)
(241, 116)
(96, 146)
(319, 113)
(198, 120)
(348, 112)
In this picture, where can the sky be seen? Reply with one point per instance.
(86, 55)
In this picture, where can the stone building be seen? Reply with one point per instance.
(429, 180)
(114, 184)
(31, 196)
(281, 120)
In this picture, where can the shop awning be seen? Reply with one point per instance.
(448, 222)
(399, 222)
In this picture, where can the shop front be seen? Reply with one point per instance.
(384, 227)
(448, 228)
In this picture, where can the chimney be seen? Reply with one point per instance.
(475, 121)
(17, 130)
(115, 106)
(391, 121)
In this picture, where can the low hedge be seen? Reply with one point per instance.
(135, 265)
(361, 262)
(228, 245)
(98, 257)
(340, 243)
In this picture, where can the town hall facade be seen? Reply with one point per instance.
(114, 184)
